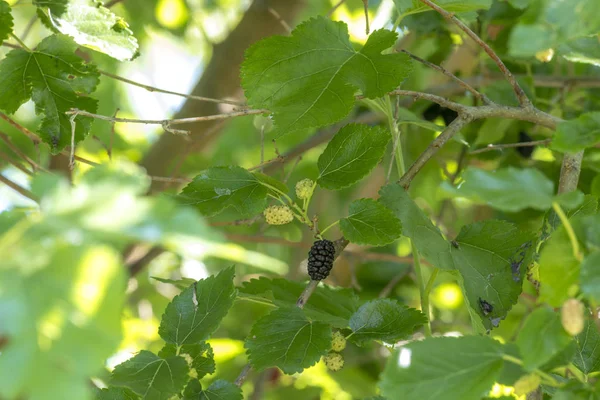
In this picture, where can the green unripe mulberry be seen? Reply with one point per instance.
(338, 342)
(333, 361)
(278, 215)
(527, 384)
(304, 189)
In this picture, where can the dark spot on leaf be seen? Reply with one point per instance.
(495, 321)
(70, 77)
(516, 261)
(485, 307)
(454, 244)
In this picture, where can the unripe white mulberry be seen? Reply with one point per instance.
(304, 189)
(572, 316)
(527, 384)
(338, 341)
(278, 215)
(333, 361)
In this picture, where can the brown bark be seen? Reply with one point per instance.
(219, 80)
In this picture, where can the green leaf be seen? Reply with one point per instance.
(417, 226)
(61, 319)
(182, 283)
(91, 25)
(408, 7)
(408, 117)
(492, 257)
(590, 275)
(199, 357)
(287, 339)
(352, 153)
(309, 79)
(584, 50)
(508, 189)
(152, 377)
(271, 184)
(527, 40)
(115, 393)
(558, 268)
(194, 314)
(218, 390)
(329, 305)
(541, 337)
(449, 368)
(587, 356)
(384, 320)
(492, 131)
(56, 80)
(218, 188)
(370, 222)
(6, 21)
(577, 134)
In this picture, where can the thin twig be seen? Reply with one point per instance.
(449, 74)
(14, 163)
(366, 8)
(279, 19)
(491, 147)
(6, 139)
(569, 172)
(335, 7)
(435, 145)
(155, 89)
(521, 96)
(27, 29)
(21, 190)
(112, 135)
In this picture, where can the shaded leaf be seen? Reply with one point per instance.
(582, 50)
(91, 25)
(218, 188)
(194, 314)
(309, 79)
(417, 226)
(587, 355)
(333, 306)
(541, 337)
(56, 80)
(352, 153)
(577, 134)
(370, 222)
(590, 275)
(218, 390)
(449, 368)
(287, 339)
(115, 393)
(6, 21)
(528, 39)
(152, 377)
(507, 189)
(384, 320)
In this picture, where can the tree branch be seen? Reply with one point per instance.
(569, 172)
(521, 96)
(434, 146)
(21, 190)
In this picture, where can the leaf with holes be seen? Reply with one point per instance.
(151, 376)
(218, 188)
(384, 320)
(352, 153)
(287, 339)
(370, 222)
(492, 258)
(56, 80)
(199, 356)
(90, 25)
(6, 21)
(309, 79)
(193, 315)
(443, 368)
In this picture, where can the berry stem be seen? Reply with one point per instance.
(330, 226)
(569, 228)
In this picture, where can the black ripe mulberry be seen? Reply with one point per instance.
(320, 259)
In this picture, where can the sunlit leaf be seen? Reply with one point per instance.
(218, 390)
(309, 79)
(6, 21)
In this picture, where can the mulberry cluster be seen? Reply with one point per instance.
(333, 361)
(320, 259)
(278, 215)
(304, 189)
